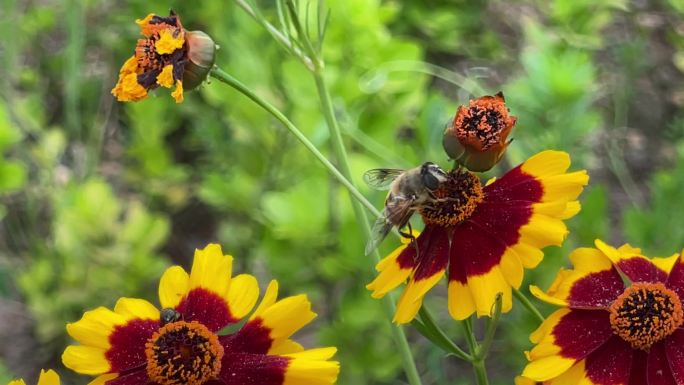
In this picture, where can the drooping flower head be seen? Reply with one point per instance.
(620, 322)
(477, 136)
(137, 344)
(167, 56)
(49, 377)
(484, 236)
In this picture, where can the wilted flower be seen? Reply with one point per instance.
(168, 56)
(49, 377)
(477, 136)
(484, 236)
(138, 344)
(620, 322)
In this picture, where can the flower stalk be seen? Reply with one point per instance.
(528, 305)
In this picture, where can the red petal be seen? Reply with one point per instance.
(433, 255)
(637, 375)
(127, 341)
(641, 270)
(253, 369)
(674, 348)
(598, 289)
(253, 337)
(581, 332)
(611, 363)
(207, 308)
(407, 259)
(676, 279)
(138, 377)
(658, 369)
(515, 185)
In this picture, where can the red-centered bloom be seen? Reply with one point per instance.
(621, 321)
(46, 378)
(477, 136)
(484, 236)
(168, 56)
(137, 344)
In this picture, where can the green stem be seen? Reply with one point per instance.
(491, 327)
(528, 305)
(437, 332)
(476, 352)
(341, 156)
(480, 372)
(224, 77)
(388, 304)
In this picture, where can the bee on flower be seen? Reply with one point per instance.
(168, 56)
(137, 343)
(482, 237)
(620, 320)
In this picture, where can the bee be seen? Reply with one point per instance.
(409, 190)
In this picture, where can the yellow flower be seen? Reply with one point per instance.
(484, 235)
(137, 343)
(46, 378)
(167, 56)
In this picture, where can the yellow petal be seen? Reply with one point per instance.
(268, 300)
(461, 301)
(287, 316)
(282, 347)
(173, 286)
(102, 379)
(49, 377)
(242, 295)
(312, 368)
(485, 288)
(168, 43)
(211, 270)
(128, 89)
(412, 298)
(178, 92)
(136, 308)
(95, 327)
(144, 24)
(391, 274)
(547, 368)
(547, 163)
(165, 78)
(85, 360)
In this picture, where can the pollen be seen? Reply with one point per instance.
(182, 353)
(456, 200)
(485, 122)
(646, 313)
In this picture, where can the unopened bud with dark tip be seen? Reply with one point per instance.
(477, 137)
(201, 56)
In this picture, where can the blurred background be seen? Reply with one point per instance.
(97, 198)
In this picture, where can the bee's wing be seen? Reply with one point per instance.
(398, 210)
(381, 178)
(380, 229)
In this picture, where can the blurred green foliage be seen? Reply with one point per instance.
(97, 197)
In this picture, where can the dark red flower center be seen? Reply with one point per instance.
(457, 198)
(485, 121)
(183, 353)
(646, 313)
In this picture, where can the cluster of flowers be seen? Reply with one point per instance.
(621, 314)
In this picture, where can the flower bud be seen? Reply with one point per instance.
(476, 137)
(201, 55)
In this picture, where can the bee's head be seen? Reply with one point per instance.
(432, 175)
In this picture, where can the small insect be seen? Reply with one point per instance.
(168, 315)
(409, 190)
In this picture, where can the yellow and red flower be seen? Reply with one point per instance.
(138, 344)
(49, 377)
(477, 136)
(620, 322)
(484, 236)
(168, 56)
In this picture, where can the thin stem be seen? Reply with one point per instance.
(469, 335)
(480, 372)
(224, 77)
(431, 325)
(528, 305)
(476, 352)
(491, 327)
(279, 36)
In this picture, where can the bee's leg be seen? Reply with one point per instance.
(410, 236)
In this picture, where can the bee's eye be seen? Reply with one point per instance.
(430, 181)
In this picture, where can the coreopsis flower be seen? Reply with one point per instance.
(526, 381)
(477, 136)
(484, 236)
(49, 377)
(181, 344)
(620, 322)
(168, 56)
